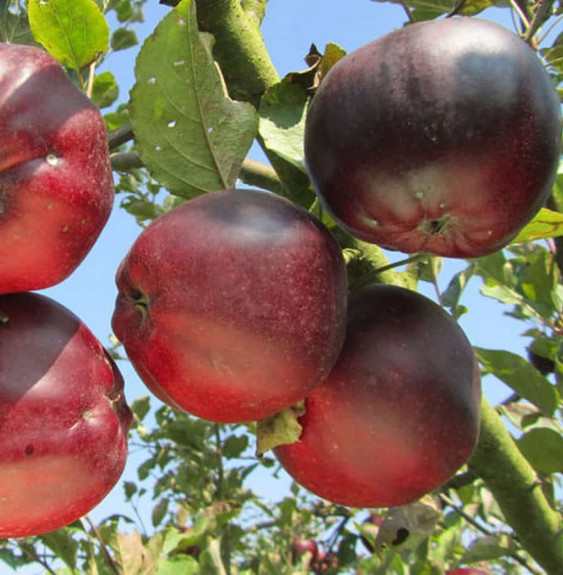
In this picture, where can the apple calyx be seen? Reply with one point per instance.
(437, 226)
(282, 428)
(140, 301)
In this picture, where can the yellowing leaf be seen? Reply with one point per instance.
(546, 224)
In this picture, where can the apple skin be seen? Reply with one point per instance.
(398, 414)
(232, 306)
(63, 417)
(56, 186)
(442, 137)
(467, 571)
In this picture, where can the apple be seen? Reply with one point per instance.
(232, 306)
(399, 412)
(467, 571)
(56, 186)
(63, 417)
(441, 137)
(300, 546)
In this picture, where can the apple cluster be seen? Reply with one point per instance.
(442, 137)
(63, 416)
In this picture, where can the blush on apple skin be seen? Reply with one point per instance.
(232, 306)
(56, 185)
(63, 417)
(442, 137)
(399, 412)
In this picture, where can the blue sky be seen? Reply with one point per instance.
(289, 29)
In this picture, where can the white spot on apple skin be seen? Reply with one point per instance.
(65, 229)
(52, 159)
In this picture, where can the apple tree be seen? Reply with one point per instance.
(206, 96)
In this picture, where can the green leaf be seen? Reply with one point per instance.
(140, 407)
(282, 122)
(130, 489)
(190, 134)
(123, 38)
(546, 224)
(486, 548)
(105, 90)
(159, 511)
(74, 32)
(234, 446)
(178, 565)
(210, 559)
(281, 428)
(543, 448)
(63, 545)
(521, 376)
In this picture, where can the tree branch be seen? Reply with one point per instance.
(255, 10)
(255, 173)
(239, 48)
(515, 487)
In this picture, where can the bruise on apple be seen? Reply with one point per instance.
(63, 417)
(442, 137)
(399, 412)
(56, 185)
(232, 306)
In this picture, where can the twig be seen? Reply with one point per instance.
(32, 554)
(459, 510)
(113, 566)
(120, 136)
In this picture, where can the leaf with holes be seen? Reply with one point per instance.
(75, 32)
(190, 134)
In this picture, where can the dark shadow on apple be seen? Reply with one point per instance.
(32, 336)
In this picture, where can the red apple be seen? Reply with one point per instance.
(442, 137)
(300, 546)
(467, 571)
(232, 306)
(398, 414)
(56, 187)
(63, 417)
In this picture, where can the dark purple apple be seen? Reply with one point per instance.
(232, 306)
(398, 414)
(63, 417)
(56, 186)
(441, 137)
